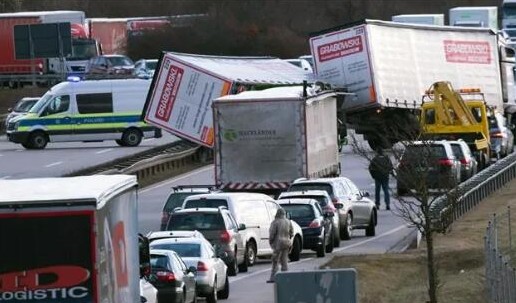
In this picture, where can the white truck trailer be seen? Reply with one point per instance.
(185, 85)
(69, 240)
(388, 66)
(474, 16)
(429, 19)
(266, 139)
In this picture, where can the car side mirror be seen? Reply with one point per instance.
(241, 226)
(365, 194)
(9, 109)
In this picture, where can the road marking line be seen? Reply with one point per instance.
(104, 151)
(181, 177)
(337, 249)
(54, 164)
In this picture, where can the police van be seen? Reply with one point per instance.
(88, 111)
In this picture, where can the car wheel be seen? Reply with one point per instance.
(243, 267)
(38, 140)
(212, 297)
(370, 229)
(295, 252)
(321, 249)
(132, 137)
(329, 246)
(120, 142)
(347, 231)
(336, 237)
(27, 145)
(224, 293)
(250, 251)
(232, 268)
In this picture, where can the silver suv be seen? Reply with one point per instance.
(219, 227)
(356, 210)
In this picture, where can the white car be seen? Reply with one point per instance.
(148, 293)
(301, 63)
(211, 277)
(145, 68)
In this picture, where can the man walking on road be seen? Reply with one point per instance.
(280, 233)
(380, 168)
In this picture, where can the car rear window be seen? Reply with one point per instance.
(159, 262)
(457, 151)
(312, 186)
(299, 211)
(177, 199)
(418, 151)
(323, 201)
(208, 203)
(182, 249)
(195, 221)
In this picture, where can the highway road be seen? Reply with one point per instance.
(60, 158)
(250, 287)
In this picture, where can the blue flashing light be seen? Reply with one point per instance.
(73, 79)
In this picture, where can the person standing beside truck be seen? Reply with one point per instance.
(380, 168)
(280, 235)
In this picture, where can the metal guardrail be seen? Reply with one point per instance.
(500, 275)
(475, 190)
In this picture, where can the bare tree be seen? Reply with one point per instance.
(422, 192)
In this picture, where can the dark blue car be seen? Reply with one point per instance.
(316, 225)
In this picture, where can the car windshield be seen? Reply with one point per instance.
(25, 105)
(299, 211)
(312, 186)
(209, 203)
(41, 103)
(152, 64)
(196, 221)
(182, 249)
(120, 61)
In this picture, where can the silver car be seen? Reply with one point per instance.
(356, 210)
(468, 163)
(211, 277)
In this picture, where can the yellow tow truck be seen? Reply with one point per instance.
(448, 114)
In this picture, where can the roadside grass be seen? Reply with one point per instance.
(401, 277)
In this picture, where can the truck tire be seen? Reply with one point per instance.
(38, 140)
(120, 142)
(132, 137)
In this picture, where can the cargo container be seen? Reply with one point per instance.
(429, 19)
(475, 16)
(83, 48)
(185, 85)
(388, 66)
(266, 139)
(70, 240)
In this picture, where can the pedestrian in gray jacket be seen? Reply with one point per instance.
(280, 235)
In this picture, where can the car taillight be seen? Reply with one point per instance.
(464, 161)
(225, 237)
(201, 266)
(315, 224)
(445, 162)
(165, 276)
(164, 218)
(497, 135)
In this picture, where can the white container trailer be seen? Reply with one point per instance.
(185, 85)
(429, 19)
(475, 16)
(266, 139)
(388, 66)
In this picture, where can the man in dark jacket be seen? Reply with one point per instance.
(380, 168)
